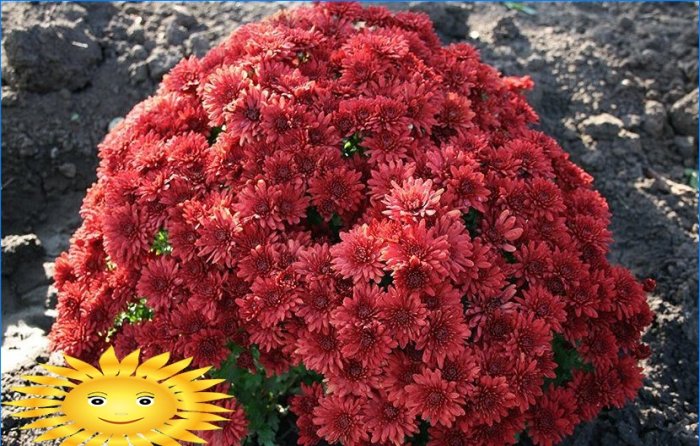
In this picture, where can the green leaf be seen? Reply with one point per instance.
(336, 221)
(472, 220)
(335, 226)
(263, 398)
(135, 313)
(567, 359)
(351, 146)
(160, 245)
(420, 438)
(214, 134)
(520, 7)
(386, 281)
(267, 434)
(510, 258)
(109, 264)
(313, 218)
(691, 178)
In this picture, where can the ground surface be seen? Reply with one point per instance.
(616, 85)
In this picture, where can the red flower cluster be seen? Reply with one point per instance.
(343, 192)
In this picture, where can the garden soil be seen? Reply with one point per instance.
(616, 85)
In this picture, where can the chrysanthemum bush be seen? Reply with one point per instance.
(332, 190)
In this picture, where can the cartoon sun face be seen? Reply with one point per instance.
(120, 405)
(122, 402)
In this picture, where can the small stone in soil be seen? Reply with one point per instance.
(68, 170)
(684, 114)
(604, 126)
(654, 118)
(685, 146)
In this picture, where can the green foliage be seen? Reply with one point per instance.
(421, 437)
(567, 359)
(472, 220)
(214, 134)
(135, 313)
(510, 258)
(386, 281)
(691, 178)
(160, 245)
(520, 7)
(334, 225)
(265, 399)
(109, 264)
(313, 218)
(351, 145)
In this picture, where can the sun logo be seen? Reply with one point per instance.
(121, 403)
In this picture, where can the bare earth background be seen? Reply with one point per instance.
(616, 85)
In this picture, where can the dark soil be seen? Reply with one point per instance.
(616, 85)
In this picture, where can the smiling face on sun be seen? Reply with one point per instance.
(120, 405)
(121, 402)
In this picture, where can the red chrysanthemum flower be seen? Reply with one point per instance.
(216, 236)
(386, 146)
(315, 261)
(385, 174)
(362, 308)
(221, 92)
(530, 336)
(331, 188)
(160, 281)
(599, 348)
(412, 200)
(338, 191)
(489, 400)
(126, 234)
(292, 204)
(235, 430)
(551, 420)
(207, 347)
(244, 116)
(526, 380)
(543, 305)
(355, 377)
(456, 114)
(466, 188)
(370, 343)
(502, 230)
(259, 202)
(320, 350)
(358, 255)
(416, 241)
(462, 370)
(403, 314)
(388, 422)
(443, 337)
(318, 303)
(260, 262)
(304, 403)
(415, 276)
(629, 378)
(435, 399)
(269, 301)
(341, 419)
(400, 370)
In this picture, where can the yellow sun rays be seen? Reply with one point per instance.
(94, 394)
